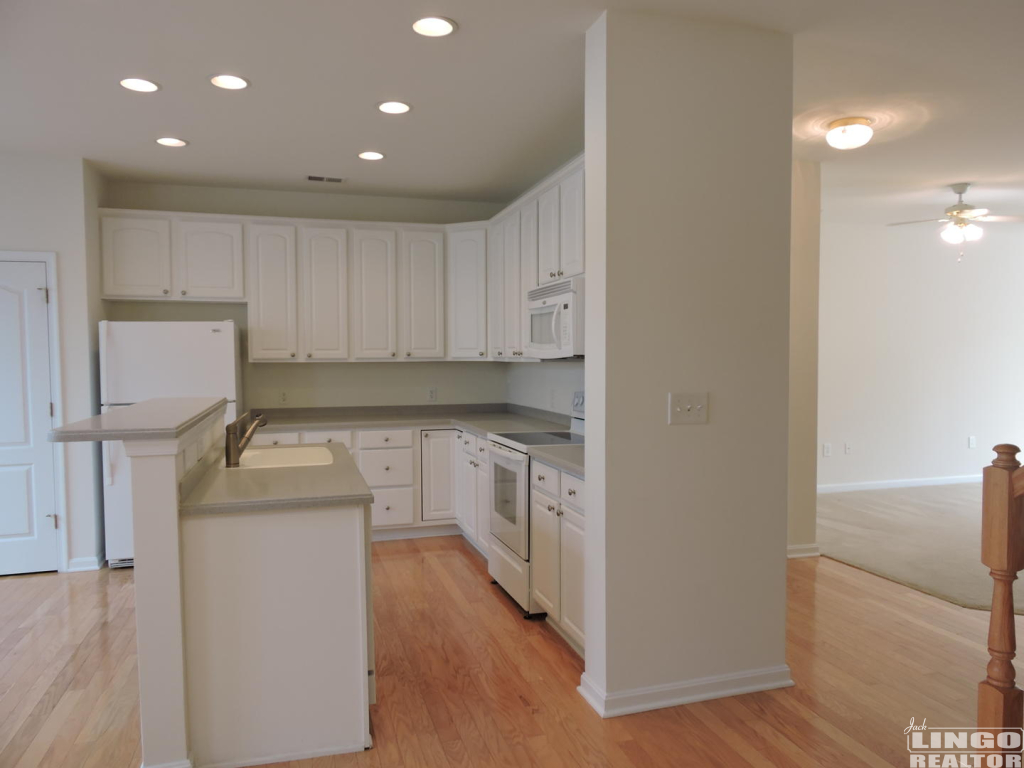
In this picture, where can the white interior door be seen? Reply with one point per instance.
(28, 536)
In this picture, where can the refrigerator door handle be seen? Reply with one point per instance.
(108, 471)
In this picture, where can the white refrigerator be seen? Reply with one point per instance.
(140, 361)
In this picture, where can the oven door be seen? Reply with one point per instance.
(509, 512)
(545, 329)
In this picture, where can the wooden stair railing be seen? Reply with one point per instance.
(1000, 703)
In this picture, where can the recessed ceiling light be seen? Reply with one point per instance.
(394, 107)
(229, 82)
(434, 26)
(371, 155)
(169, 141)
(140, 85)
(849, 132)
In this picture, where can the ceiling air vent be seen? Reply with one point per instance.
(331, 179)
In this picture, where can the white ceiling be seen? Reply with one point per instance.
(495, 106)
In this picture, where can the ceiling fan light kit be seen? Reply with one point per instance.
(849, 132)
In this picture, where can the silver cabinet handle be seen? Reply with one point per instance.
(275, 442)
(572, 492)
(481, 450)
(392, 354)
(166, 291)
(330, 439)
(183, 293)
(426, 434)
(550, 508)
(387, 469)
(551, 274)
(387, 508)
(541, 478)
(293, 354)
(480, 353)
(499, 354)
(559, 513)
(559, 273)
(309, 354)
(387, 439)
(408, 354)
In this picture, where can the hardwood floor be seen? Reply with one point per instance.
(463, 680)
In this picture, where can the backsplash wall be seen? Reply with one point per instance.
(548, 386)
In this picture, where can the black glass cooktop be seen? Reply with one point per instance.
(543, 438)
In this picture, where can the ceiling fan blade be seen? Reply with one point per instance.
(919, 221)
(998, 219)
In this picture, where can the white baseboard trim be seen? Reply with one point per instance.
(76, 564)
(342, 750)
(635, 700)
(175, 764)
(878, 485)
(422, 532)
(794, 551)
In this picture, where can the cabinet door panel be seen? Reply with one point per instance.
(437, 454)
(273, 322)
(421, 294)
(324, 298)
(391, 506)
(572, 536)
(496, 291)
(513, 297)
(208, 260)
(374, 291)
(527, 264)
(571, 225)
(545, 556)
(467, 294)
(136, 256)
(466, 476)
(548, 235)
(483, 505)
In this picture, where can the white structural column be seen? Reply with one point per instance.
(688, 137)
(158, 607)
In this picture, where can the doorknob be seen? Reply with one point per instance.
(54, 520)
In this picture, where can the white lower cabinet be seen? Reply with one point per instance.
(437, 460)
(483, 505)
(465, 502)
(556, 548)
(473, 478)
(275, 438)
(392, 506)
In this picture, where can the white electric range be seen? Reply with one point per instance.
(509, 554)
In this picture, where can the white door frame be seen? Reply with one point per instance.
(49, 259)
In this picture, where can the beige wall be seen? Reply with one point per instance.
(917, 351)
(313, 205)
(690, 521)
(44, 205)
(548, 386)
(803, 357)
(333, 384)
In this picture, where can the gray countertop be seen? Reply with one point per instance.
(281, 488)
(162, 418)
(568, 458)
(477, 423)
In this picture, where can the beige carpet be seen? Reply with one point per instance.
(927, 538)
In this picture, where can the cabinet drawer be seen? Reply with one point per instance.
(343, 436)
(572, 490)
(386, 438)
(392, 506)
(384, 468)
(275, 438)
(469, 443)
(544, 477)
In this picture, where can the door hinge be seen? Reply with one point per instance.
(54, 517)
(51, 410)
(46, 294)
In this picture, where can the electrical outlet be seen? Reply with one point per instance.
(826, 449)
(282, 396)
(687, 408)
(972, 442)
(432, 395)
(847, 448)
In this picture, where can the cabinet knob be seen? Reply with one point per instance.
(293, 354)
(387, 508)
(499, 354)
(481, 354)
(551, 274)
(275, 442)
(330, 439)
(387, 469)
(166, 291)
(480, 449)
(426, 434)
(550, 508)
(183, 293)
(387, 439)
(408, 354)
(559, 273)
(559, 513)
(309, 354)
(572, 491)
(392, 354)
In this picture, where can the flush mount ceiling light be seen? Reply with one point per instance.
(434, 26)
(371, 155)
(849, 132)
(140, 85)
(168, 141)
(229, 82)
(393, 107)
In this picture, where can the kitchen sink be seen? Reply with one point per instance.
(274, 458)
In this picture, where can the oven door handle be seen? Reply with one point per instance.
(507, 453)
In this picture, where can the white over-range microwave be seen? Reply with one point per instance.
(555, 327)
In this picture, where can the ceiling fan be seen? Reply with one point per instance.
(960, 218)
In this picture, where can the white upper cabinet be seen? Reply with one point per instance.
(572, 236)
(323, 300)
(374, 326)
(467, 294)
(527, 263)
(421, 294)
(136, 257)
(496, 290)
(513, 294)
(208, 260)
(548, 235)
(273, 320)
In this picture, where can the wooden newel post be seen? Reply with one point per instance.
(999, 699)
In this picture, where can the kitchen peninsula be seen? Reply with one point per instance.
(214, 604)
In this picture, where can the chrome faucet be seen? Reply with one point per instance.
(233, 447)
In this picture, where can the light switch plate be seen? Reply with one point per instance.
(687, 408)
